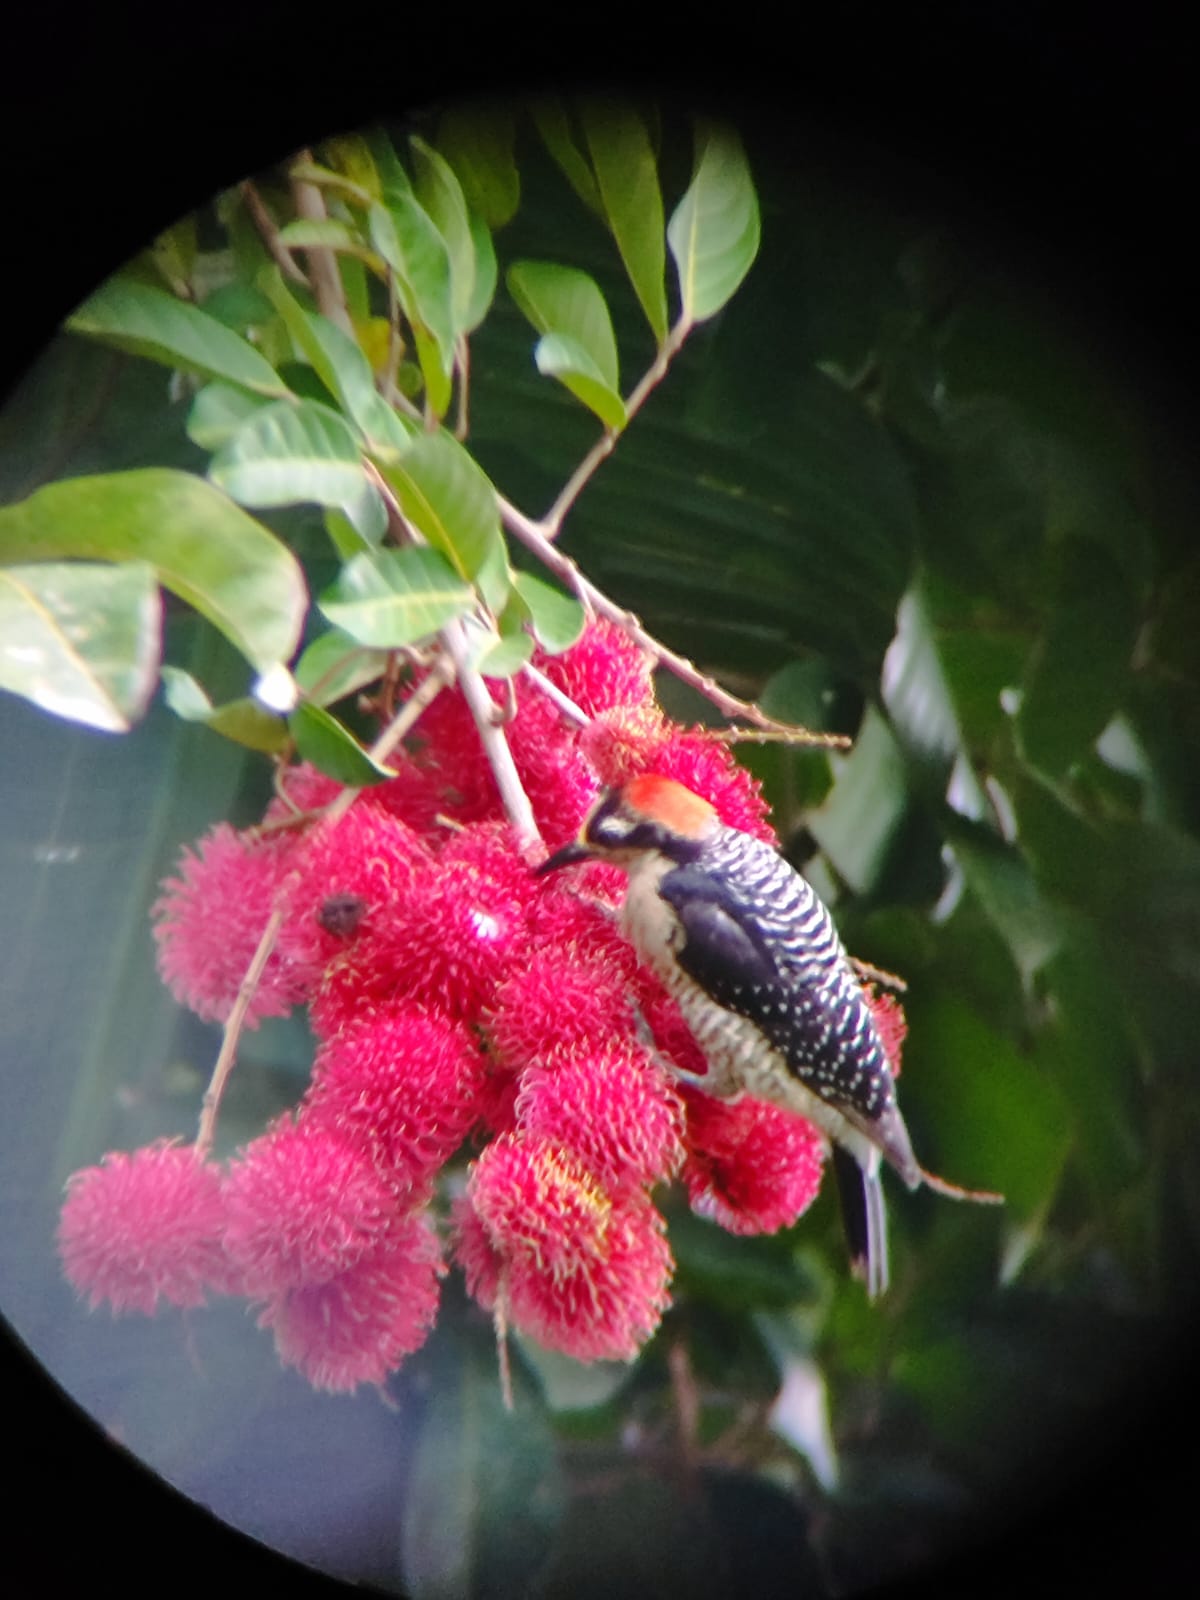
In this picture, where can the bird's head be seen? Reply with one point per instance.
(648, 816)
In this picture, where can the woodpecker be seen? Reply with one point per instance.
(751, 956)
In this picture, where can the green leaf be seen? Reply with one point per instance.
(351, 154)
(244, 721)
(437, 374)
(554, 126)
(333, 749)
(738, 1273)
(477, 140)
(1077, 675)
(449, 499)
(578, 345)
(1001, 879)
(203, 548)
(81, 640)
(627, 175)
(344, 536)
(290, 453)
(494, 579)
(395, 597)
(342, 367)
(501, 654)
(559, 357)
(408, 240)
(335, 665)
(440, 193)
(320, 233)
(714, 231)
(995, 1121)
(151, 323)
(484, 1492)
(325, 178)
(217, 413)
(557, 619)
(865, 809)
(486, 273)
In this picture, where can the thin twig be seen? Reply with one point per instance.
(784, 735)
(599, 453)
(687, 1401)
(269, 233)
(486, 713)
(395, 349)
(500, 1322)
(491, 735)
(439, 676)
(233, 1028)
(532, 535)
(462, 412)
(554, 694)
(322, 263)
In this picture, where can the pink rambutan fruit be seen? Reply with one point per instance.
(750, 1166)
(359, 1325)
(302, 1205)
(144, 1226)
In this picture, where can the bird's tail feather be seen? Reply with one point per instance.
(864, 1219)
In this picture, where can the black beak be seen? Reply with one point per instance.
(566, 857)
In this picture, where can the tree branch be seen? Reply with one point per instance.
(322, 264)
(551, 523)
(533, 536)
(491, 736)
(269, 233)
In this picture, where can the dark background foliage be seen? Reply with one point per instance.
(983, 239)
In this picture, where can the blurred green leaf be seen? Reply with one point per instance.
(408, 240)
(477, 141)
(570, 1385)
(244, 721)
(486, 275)
(217, 413)
(350, 154)
(81, 639)
(440, 193)
(714, 230)
(627, 177)
(449, 500)
(203, 548)
(333, 749)
(319, 233)
(290, 453)
(507, 652)
(334, 665)
(395, 597)
(1074, 681)
(1007, 891)
(554, 125)
(1087, 1048)
(739, 1273)
(863, 812)
(994, 1119)
(557, 619)
(149, 322)
(568, 309)
(485, 1492)
(342, 367)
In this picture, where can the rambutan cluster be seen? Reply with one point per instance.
(459, 1002)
